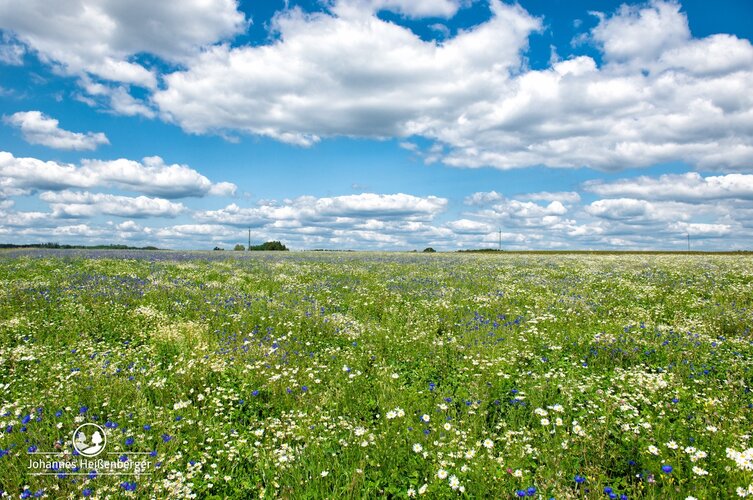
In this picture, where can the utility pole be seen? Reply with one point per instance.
(688, 241)
(248, 249)
(500, 239)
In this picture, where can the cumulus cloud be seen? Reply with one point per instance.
(660, 96)
(641, 33)
(483, 198)
(345, 72)
(396, 221)
(409, 8)
(561, 196)
(702, 230)
(152, 176)
(98, 37)
(637, 211)
(77, 204)
(329, 211)
(37, 128)
(466, 226)
(516, 213)
(689, 187)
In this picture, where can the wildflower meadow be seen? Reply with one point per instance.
(375, 375)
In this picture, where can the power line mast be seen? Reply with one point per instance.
(688, 241)
(249, 240)
(500, 239)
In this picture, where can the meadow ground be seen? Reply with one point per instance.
(337, 375)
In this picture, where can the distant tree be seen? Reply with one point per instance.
(273, 245)
(239, 248)
(429, 250)
(269, 245)
(219, 249)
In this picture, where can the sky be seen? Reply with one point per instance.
(378, 124)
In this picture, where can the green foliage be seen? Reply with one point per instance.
(370, 375)
(269, 246)
(239, 248)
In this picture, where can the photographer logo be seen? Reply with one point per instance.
(89, 440)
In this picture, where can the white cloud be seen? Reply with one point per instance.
(115, 97)
(330, 211)
(98, 37)
(642, 33)
(152, 176)
(483, 198)
(409, 8)
(690, 187)
(661, 95)
(528, 210)
(214, 231)
(702, 230)
(38, 128)
(466, 226)
(560, 196)
(26, 219)
(11, 52)
(633, 211)
(77, 204)
(345, 73)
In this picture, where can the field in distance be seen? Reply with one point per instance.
(368, 375)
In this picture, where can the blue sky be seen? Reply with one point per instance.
(378, 124)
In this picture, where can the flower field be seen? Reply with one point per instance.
(366, 375)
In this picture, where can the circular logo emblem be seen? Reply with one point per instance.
(89, 439)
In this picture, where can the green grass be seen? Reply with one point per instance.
(307, 375)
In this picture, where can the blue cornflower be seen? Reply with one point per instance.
(520, 493)
(86, 492)
(129, 441)
(666, 469)
(32, 449)
(26, 419)
(83, 409)
(92, 474)
(123, 458)
(304, 388)
(255, 393)
(607, 490)
(166, 438)
(531, 491)
(147, 427)
(128, 485)
(579, 479)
